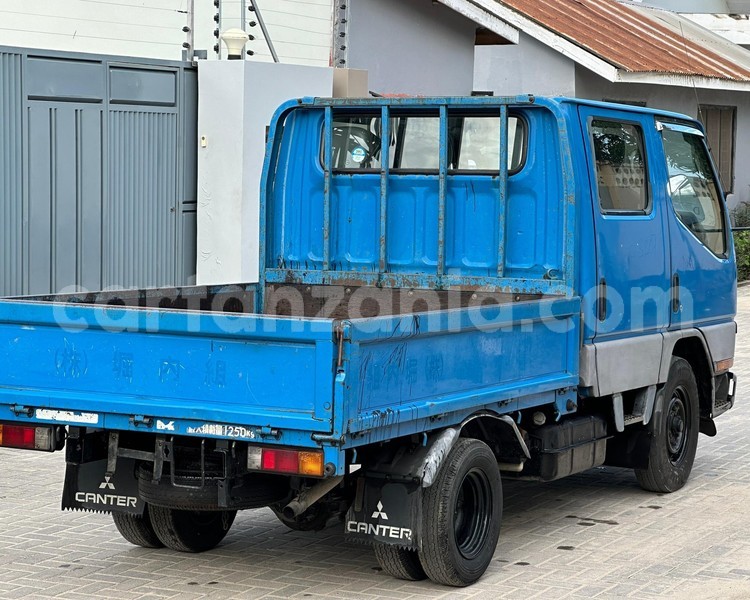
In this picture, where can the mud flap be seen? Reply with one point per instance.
(387, 512)
(88, 487)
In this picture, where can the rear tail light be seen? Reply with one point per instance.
(293, 462)
(30, 437)
(283, 461)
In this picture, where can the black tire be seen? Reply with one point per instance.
(461, 515)
(399, 563)
(191, 530)
(137, 530)
(674, 432)
(256, 491)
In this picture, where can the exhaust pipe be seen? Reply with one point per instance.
(310, 496)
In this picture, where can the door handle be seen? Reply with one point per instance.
(601, 303)
(675, 293)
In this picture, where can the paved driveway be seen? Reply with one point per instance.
(591, 535)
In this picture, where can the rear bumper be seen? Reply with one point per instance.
(169, 427)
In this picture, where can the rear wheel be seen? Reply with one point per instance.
(136, 529)
(399, 563)
(461, 515)
(674, 432)
(191, 530)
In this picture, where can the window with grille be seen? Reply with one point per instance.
(719, 122)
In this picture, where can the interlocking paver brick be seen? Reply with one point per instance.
(593, 535)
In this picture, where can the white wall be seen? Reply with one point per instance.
(528, 67)
(735, 30)
(237, 101)
(149, 29)
(301, 31)
(693, 6)
(411, 47)
(700, 6)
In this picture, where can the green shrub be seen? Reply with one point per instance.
(742, 248)
(741, 218)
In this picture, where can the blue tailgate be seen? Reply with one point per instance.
(249, 370)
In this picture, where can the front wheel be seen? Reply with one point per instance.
(191, 530)
(674, 432)
(461, 515)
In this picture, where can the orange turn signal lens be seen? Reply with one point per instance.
(724, 365)
(311, 463)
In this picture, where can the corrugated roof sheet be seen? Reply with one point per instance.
(634, 39)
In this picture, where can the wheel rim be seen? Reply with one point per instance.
(678, 419)
(473, 513)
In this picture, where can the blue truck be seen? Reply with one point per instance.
(450, 289)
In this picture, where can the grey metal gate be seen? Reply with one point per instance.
(97, 172)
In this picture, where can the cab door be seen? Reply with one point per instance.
(632, 258)
(703, 273)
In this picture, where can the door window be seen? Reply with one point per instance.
(622, 182)
(692, 186)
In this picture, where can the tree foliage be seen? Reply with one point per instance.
(741, 218)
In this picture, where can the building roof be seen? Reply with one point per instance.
(622, 41)
(635, 39)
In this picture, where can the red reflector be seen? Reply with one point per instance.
(281, 461)
(16, 436)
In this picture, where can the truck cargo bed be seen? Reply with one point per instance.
(351, 380)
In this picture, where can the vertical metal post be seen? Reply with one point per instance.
(262, 23)
(502, 192)
(243, 22)
(385, 138)
(442, 188)
(218, 27)
(327, 160)
(191, 32)
(340, 34)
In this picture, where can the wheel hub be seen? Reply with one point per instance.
(677, 419)
(472, 513)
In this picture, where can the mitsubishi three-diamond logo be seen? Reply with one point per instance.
(107, 484)
(380, 513)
